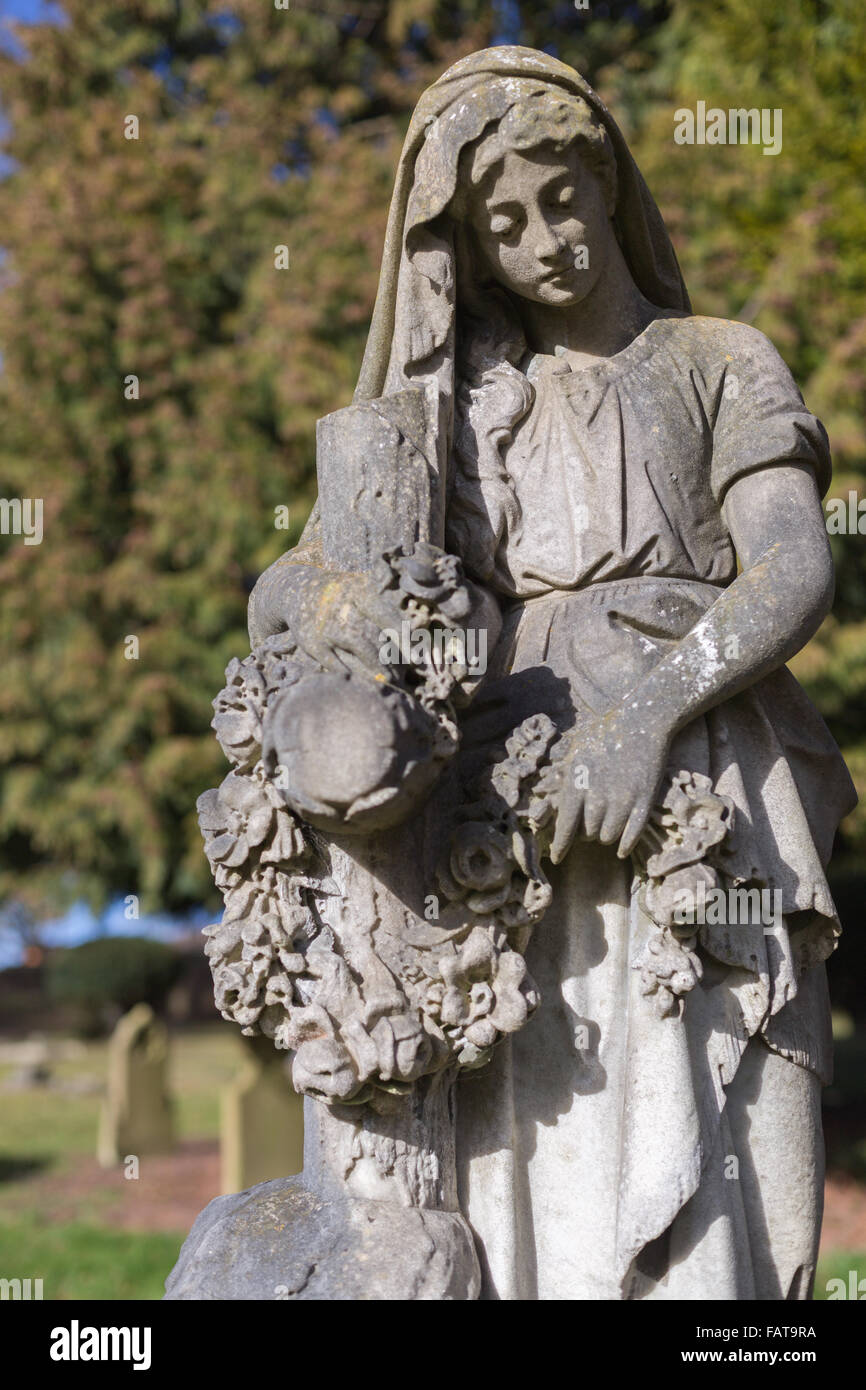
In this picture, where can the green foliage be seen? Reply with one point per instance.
(114, 971)
(79, 1261)
(780, 242)
(154, 257)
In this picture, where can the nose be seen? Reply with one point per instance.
(547, 244)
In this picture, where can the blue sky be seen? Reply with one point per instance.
(30, 11)
(79, 924)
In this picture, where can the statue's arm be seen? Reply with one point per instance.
(770, 611)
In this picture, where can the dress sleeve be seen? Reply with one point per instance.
(761, 419)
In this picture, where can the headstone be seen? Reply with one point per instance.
(136, 1115)
(261, 1121)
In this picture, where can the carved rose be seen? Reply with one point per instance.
(481, 859)
(484, 992)
(235, 818)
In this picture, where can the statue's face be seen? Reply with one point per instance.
(543, 225)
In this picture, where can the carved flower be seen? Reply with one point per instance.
(239, 816)
(234, 819)
(669, 969)
(238, 990)
(526, 749)
(481, 858)
(666, 898)
(237, 711)
(693, 819)
(484, 992)
(289, 842)
(396, 1049)
(432, 577)
(323, 1067)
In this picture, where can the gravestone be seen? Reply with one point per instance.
(261, 1121)
(136, 1115)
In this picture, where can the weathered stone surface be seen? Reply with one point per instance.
(373, 1216)
(281, 1241)
(601, 884)
(375, 477)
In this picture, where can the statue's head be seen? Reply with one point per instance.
(514, 185)
(536, 194)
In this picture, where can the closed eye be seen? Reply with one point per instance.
(503, 225)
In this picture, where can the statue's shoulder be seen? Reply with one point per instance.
(715, 345)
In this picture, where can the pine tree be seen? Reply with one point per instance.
(162, 374)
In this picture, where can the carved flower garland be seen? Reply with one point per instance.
(674, 857)
(278, 955)
(494, 863)
(484, 993)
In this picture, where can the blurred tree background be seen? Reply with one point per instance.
(154, 257)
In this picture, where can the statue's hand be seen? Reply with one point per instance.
(610, 782)
(338, 619)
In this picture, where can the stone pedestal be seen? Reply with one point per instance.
(374, 1214)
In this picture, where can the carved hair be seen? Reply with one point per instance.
(493, 395)
(542, 117)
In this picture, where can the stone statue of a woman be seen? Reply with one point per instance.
(591, 877)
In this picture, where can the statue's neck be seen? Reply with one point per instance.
(609, 318)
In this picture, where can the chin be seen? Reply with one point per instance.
(562, 296)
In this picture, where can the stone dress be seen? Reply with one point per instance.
(607, 1152)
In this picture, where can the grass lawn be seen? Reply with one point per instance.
(840, 1266)
(77, 1260)
(51, 1124)
(49, 1133)
(90, 1235)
